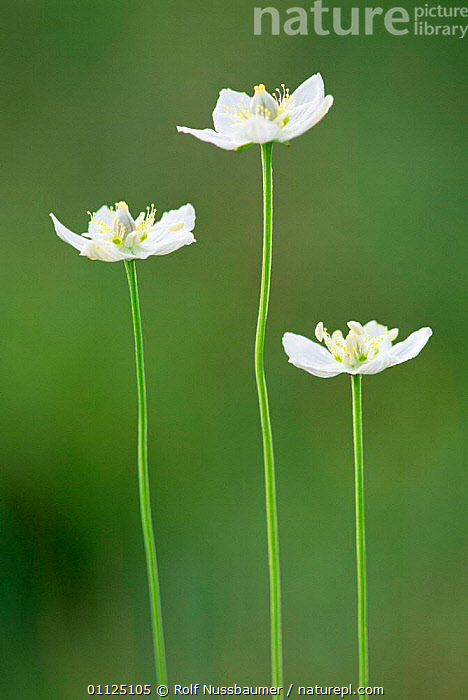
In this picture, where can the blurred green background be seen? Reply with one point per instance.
(369, 224)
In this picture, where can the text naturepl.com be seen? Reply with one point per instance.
(425, 20)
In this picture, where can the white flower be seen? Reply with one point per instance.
(365, 350)
(240, 120)
(114, 235)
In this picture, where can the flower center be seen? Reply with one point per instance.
(124, 230)
(357, 347)
(274, 107)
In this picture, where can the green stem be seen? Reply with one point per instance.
(356, 383)
(270, 485)
(143, 482)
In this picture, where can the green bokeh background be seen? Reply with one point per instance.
(369, 224)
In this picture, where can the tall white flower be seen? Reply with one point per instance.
(240, 120)
(365, 350)
(114, 235)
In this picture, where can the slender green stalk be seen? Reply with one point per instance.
(143, 482)
(270, 485)
(356, 383)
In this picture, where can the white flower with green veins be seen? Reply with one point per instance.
(240, 120)
(365, 350)
(113, 235)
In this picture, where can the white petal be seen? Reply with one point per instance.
(162, 241)
(400, 352)
(209, 136)
(356, 327)
(105, 215)
(410, 347)
(257, 129)
(377, 364)
(310, 356)
(104, 250)
(229, 103)
(311, 90)
(306, 99)
(308, 119)
(374, 329)
(68, 236)
(185, 215)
